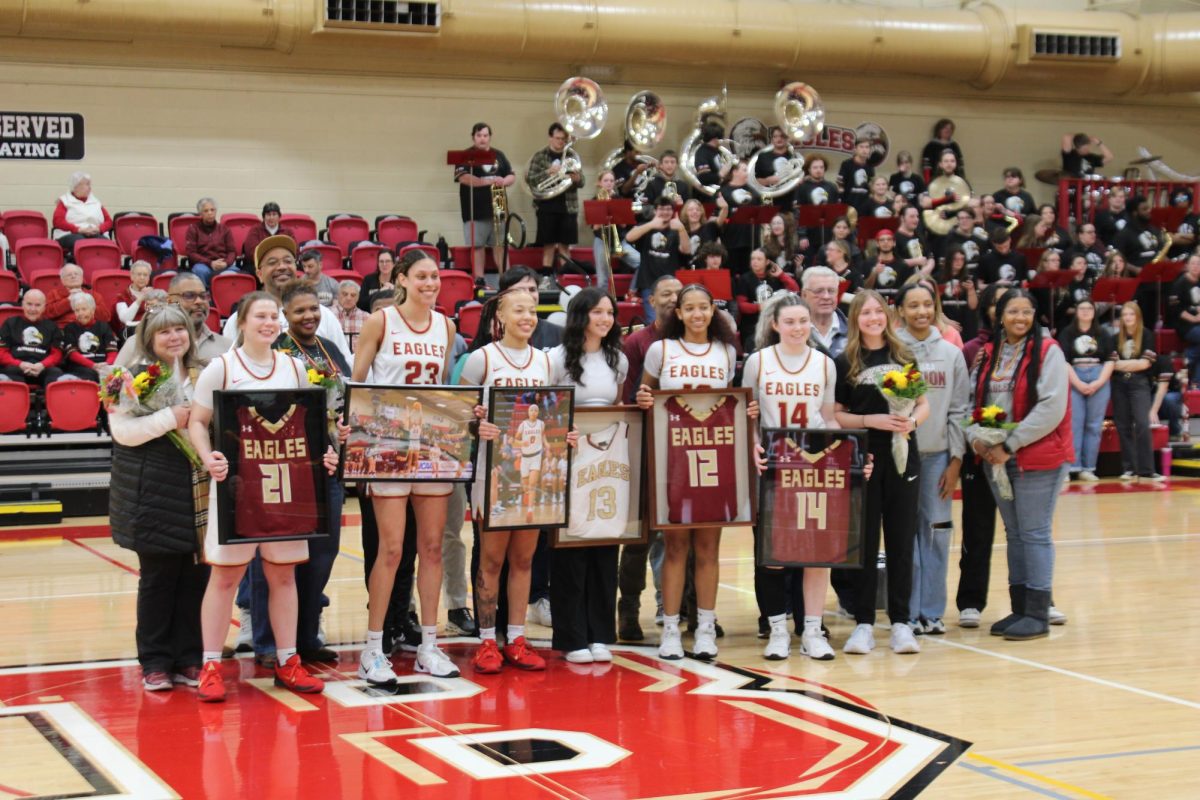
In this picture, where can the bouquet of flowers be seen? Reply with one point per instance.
(990, 425)
(334, 389)
(152, 390)
(901, 388)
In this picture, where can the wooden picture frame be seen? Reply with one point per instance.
(379, 447)
(591, 509)
(508, 505)
(275, 441)
(726, 490)
(813, 498)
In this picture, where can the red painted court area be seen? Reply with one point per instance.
(636, 728)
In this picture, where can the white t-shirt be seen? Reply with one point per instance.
(596, 386)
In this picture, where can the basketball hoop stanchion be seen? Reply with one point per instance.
(470, 158)
(604, 214)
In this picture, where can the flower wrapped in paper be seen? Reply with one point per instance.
(334, 388)
(990, 425)
(152, 390)
(901, 388)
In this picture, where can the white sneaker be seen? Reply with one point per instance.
(704, 647)
(580, 656)
(862, 640)
(1154, 478)
(600, 652)
(375, 668)
(816, 646)
(431, 660)
(1056, 617)
(670, 645)
(779, 645)
(1088, 476)
(1128, 476)
(321, 638)
(935, 627)
(969, 618)
(539, 613)
(903, 640)
(245, 637)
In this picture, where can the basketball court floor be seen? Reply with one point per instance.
(1107, 707)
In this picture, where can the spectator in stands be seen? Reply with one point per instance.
(1083, 155)
(1183, 238)
(1141, 240)
(838, 261)
(779, 243)
(1167, 407)
(1044, 231)
(1133, 381)
(1086, 245)
(943, 139)
(269, 226)
(30, 345)
(58, 301)
(1111, 220)
(711, 255)
(1183, 313)
(546, 335)
(698, 228)
(149, 472)
(130, 302)
(87, 342)
(209, 244)
(958, 291)
(879, 200)
(829, 325)
(1013, 196)
(1090, 354)
(79, 215)
(855, 174)
(327, 287)
(1001, 264)
(348, 313)
(475, 186)
(904, 182)
(557, 228)
(1078, 290)
(382, 279)
(664, 247)
(188, 292)
(755, 287)
(842, 231)
(738, 238)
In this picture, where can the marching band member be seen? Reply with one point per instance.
(475, 186)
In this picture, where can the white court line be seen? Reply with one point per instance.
(34, 597)
(1069, 673)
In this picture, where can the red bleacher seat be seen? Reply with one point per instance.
(582, 254)
(93, 255)
(109, 284)
(340, 275)
(214, 320)
(37, 255)
(162, 281)
(1191, 399)
(177, 228)
(128, 228)
(629, 312)
(468, 320)
(14, 406)
(10, 287)
(344, 229)
(869, 226)
(364, 259)
(526, 257)
(21, 224)
(73, 405)
(427, 249)
(460, 258)
(230, 287)
(622, 283)
(1167, 341)
(331, 257)
(239, 225)
(391, 230)
(170, 263)
(457, 288)
(304, 226)
(45, 281)
(573, 279)
(5, 313)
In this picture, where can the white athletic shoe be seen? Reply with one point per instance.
(779, 644)
(375, 668)
(816, 646)
(934, 627)
(245, 637)
(1056, 617)
(903, 640)
(1087, 476)
(539, 613)
(670, 645)
(600, 652)
(704, 647)
(969, 618)
(580, 656)
(862, 640)
(431, 660)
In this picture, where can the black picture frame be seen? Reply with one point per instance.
(507, 408)
(449, 441)
(237, 416)
(808, 479)
(590, 421)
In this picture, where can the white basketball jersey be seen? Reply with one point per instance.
(530, 432)
(408, 356)
(690, 366)
(600, 476)
(504, 368)
(790, 394)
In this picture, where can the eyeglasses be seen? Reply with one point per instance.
(191, 297)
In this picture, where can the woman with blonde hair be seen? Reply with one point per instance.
(1132, 383)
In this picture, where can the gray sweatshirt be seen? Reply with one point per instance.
(949, 396)
(1053, 391)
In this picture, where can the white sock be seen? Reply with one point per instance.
(429, 635)
(812, 624)
(487, 633)
(705, 616)
(671, 621)
(776, 619)
(374, 642)
(284, 654)
(514, 632)
(212, 655)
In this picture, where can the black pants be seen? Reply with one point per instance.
(898, 495)
(67, 243)
(978, 533)
(773, 586)
(403, 586)
(49, 375)
(539, 572)
(170, 589)
(583, 596)
(1131, 413)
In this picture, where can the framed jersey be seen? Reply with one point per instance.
(700, 457)
(412, 433)
(524, 468)
(812, 495)
(275, 442)
(605, 482)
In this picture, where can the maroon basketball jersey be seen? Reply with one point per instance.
(810, 505)
(701, 463)
(273, 492)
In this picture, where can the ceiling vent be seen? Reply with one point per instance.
(1066, 45)
(383, 16)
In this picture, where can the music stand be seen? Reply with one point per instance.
(1052, 282)
(470, 158)
(1114, 291)
(617, 212)
(1158, 273)
(752, 215)
(719, 282)
(822, 217)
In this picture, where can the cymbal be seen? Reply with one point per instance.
(1050, 176)
(1148, 159)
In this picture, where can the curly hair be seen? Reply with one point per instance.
(719, 328)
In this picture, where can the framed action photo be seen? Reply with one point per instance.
(410, 433)
(812, 496)
(700, 457)
(528, 466)
(605, 486)
(275, 442)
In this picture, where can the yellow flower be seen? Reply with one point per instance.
(989, 412)
(141, 382)
(889, 392)
(313, 376)
(900, 381)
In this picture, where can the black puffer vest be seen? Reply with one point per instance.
(150, 505)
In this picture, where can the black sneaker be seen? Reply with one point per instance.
(322, 655)
(630, 630)
(461, 623)
(764, 628)
(405, 638)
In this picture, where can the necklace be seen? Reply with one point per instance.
(329, 362)
(238, 355)
(504, 352)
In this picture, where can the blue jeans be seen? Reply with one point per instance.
(1029, 522)
(630, 257)
(931, 549)
(1087, 418)
(205, 273)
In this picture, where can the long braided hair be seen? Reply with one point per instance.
(1032, 365)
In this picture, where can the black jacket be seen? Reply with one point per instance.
(150, 504)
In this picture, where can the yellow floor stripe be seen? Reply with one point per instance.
(664, 681)
(1013, 768)
(350, 551)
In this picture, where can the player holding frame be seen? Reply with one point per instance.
(696, 352)
(531, 441)
(416, 419)
(407, 344)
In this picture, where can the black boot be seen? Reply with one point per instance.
(1036, 622)
(1016, 594)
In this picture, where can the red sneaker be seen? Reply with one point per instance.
(291, 675)
(212, 685)
(522, 656)
(487, 659)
